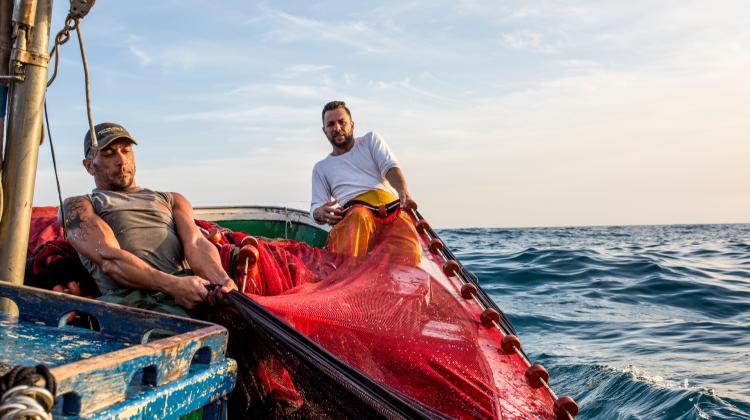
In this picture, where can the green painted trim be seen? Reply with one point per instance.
(278, 229)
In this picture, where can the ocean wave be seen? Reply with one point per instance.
(668, 305)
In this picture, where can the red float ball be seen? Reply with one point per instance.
(564, 406)
(510, 343)
(451, 268)
(249, 253)
(215, 236)
(436, 245)
(468, 291)
(535, 374)
(422, 226)
(490, 317)
(249, 240)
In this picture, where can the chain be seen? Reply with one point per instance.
(61, 38)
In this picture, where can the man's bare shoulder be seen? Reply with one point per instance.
(179, 200)
(77, 204)
(78, 211)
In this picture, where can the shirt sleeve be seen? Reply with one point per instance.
(381, 154)
(321, 192)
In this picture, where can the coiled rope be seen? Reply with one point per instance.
(21, 398)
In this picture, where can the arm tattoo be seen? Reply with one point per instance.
(76, 221)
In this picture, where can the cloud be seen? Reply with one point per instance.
(406, 85)
(357, 35)
(299, 70)
(144, 58)
(184, 55)
(246, 115)
(545, 112)
(285, 89)
(522, 40)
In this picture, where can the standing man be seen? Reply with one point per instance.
(359, 188)
(142, 247)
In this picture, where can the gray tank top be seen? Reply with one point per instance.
(143, 225)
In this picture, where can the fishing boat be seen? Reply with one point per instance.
(311, 333)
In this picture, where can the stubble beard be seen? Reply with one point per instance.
(345, 145)
(118, 182)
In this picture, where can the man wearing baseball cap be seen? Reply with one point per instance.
(142, 247)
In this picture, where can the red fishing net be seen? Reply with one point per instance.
(391, 313)
(394, 315)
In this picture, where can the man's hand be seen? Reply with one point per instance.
(405, 198)
(329, 213)
(227, 285)
(188, 291)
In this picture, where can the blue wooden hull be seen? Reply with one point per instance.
(122, 370)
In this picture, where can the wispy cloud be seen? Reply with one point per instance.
(246, 115)
(300, 70)
(357, 35)
(406, 85)
(635, 109)
(183, 55)
(144, 58)
(522, 40)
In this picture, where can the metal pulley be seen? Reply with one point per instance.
(80, 8)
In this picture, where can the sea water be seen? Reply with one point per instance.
(636, 322)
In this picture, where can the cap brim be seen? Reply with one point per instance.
(107, 140)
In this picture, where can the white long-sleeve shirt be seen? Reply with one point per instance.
(355, 172)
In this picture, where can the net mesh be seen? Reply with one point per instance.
(390, 315)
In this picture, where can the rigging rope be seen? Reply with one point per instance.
(54, 165)
(72, 22)
(88, 86)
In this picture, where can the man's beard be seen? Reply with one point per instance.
(348, 139)
(116, 183)
(122, 185)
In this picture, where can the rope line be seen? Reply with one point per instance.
(54, 166)
(21, 398)
(94, 141)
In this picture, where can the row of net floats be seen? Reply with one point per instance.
(536, 375)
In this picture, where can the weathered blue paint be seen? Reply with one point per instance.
(177, 398)
(95, 370)
(31, 344)
(120, 322)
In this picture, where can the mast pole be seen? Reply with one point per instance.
(6, 17)
(29, 60)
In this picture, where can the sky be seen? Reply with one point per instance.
(502, 113)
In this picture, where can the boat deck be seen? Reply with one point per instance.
(118, 362)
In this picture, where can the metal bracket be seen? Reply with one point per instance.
(8, 80)
(29, 57)
(80, 8)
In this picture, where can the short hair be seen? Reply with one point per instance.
(330, 106)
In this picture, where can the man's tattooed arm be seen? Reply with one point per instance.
(77, 216)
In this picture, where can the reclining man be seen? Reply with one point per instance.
(142, 247)
(362, 174)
